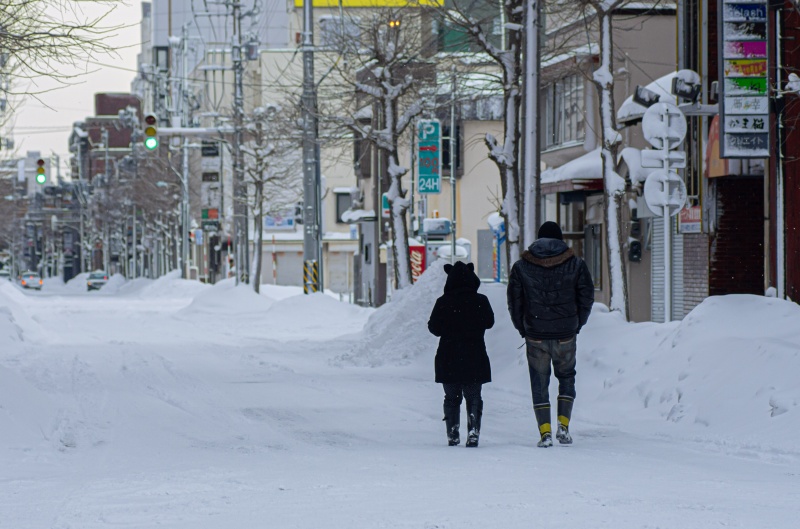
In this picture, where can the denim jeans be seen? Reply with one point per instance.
(562, 355)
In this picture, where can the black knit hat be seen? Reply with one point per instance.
(550, 230)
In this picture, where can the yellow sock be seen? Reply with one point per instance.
(545, 428)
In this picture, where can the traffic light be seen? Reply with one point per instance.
(150, 132)
(41, 177)
(394, 24)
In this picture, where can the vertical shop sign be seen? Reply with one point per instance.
(744, 71)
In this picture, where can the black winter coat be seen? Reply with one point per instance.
(460, 317)
(550, 291)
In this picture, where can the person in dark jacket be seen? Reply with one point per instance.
(459, 318)
(550, 296)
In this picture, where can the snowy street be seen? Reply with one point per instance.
(174, 404)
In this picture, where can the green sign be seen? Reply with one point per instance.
(429, 156)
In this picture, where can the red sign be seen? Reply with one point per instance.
(417, 255)
(690, 219)
(210, 213)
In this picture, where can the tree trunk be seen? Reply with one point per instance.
(614, 185)
(259, 198)
(399, 205)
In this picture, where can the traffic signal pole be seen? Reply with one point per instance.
(312, 269)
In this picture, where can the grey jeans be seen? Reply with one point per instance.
(562, 355)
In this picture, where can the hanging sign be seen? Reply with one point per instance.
(744, 72)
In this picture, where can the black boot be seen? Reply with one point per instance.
(452, 420)
(474, 413)
(564, 414)
(542, 412)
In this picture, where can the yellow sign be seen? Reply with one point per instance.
(372, 3)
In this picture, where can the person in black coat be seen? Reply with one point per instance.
(550, 296)
(459, 318)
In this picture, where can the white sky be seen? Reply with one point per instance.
(39, 128)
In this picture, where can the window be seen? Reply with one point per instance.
(592, 252)
(339, 34)
(446, 164)
(564, 105)
(343, 203)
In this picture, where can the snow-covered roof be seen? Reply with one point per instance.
(586, 167)
(630, 110)
(354, 215)
(582, 51)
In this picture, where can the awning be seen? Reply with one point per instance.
(584, 173)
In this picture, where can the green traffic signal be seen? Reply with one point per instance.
(41, 177)
(150, 132)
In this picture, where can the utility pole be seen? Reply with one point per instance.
(185, 156)
(106, 233)
(134, 273)
(453, 143)
(311, 206)
(240, 221)
(531, 195)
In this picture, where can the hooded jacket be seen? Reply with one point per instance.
(460, 318)
(550, 291)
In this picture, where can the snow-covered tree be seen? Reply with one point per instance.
(477, 20)
(381, 62)
(272, 162)
(610, 141)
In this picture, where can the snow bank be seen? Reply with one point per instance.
(77, 283)
(280, 292)
(10, 332)
(398, 331)
(729, 367)
(14, 321)
(114, 284)
(170, 285)
(27, 414)
(227, 299)
(314, 317)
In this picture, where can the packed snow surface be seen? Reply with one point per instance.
(173, 404)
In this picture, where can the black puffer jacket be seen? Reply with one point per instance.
(550, 291)
(460, 317)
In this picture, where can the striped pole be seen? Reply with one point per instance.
(274, 263)
(310, 277)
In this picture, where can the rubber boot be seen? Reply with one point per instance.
(564, 414)
(452, 420)
(474, 413)
(542, 412)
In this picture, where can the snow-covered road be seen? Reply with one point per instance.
(175, 405)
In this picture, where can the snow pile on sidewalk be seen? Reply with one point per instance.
(77, 283)
(731, 366)
(10, 332)
(115, 284)
(314, 317)
(227, 299)
(170, 285)
(397, 332)
(14, 321)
